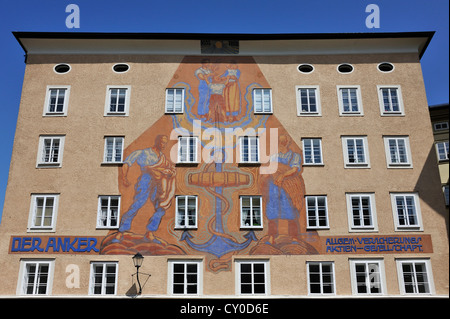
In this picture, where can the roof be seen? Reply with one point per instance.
(249, 44)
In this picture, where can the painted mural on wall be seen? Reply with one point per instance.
(217, 100)
(218, 109)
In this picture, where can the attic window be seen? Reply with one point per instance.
(386, 67)
(62, 68)
(121, 68)
(305, 68)
(345, 68)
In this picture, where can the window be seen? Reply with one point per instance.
(117, 100)
(108, 211)
(349, 98)
(356, 152)
(103, 279)
(56, 100)
(251, 212)
(361, 211)
(317, 212)
(186, 212)
(50, 151)
(185, 277)
(187, 149)
(321, 278)
(174, 100)
(308, 101)
(305, 68)
(445, 190)
(62, 68)
(440, 126)
(121, 67)
(406, 209)
(368, 277)
(415, 276)
(385, 67)
(35, 277)
(312, 151)
(43, 212)
(113, 149)
(345, 68)
(442, 150)
(252, 277)
(390, 99)
(398, 153)
(262, 100)
(249, 149)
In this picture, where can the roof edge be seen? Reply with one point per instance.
(223, 36)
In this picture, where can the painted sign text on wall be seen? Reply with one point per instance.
(54, 244)
(377, 244)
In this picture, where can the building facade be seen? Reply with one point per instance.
(439, 119)
(238, 165)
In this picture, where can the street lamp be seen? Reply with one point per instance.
(137, 261)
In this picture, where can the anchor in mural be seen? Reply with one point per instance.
(220, 242)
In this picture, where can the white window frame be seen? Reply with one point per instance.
(342, 112)
(195, 150)
(347, 163)
(40, 161)
(371, 277)
(109, 213)
(167, 106)
(47, 111)
(308, 143)
(250, 154)
(401, 111)
(32, 227)
(389, 162)
(251, 197)
(445, 147)
(170, 280)
(126, 110)
(266, 263)
(315, 210)
(23, 276)
(105, 151)
(263, 101)
(418, 215)
(185, 213)
(401, 280)
(373, 212)
(321, 283)
(300, 112)
(440, 126)
(103, 283)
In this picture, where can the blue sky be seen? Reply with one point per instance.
(212, 16)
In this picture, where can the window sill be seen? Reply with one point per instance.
(186, 164)
(48, 165)
(118, 114)
(111, 164)
(357, 166)
(243, 164)
(251, 228)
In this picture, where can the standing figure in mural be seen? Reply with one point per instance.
(284, 191)
(232, 92)
(204, 75)
(156, 182)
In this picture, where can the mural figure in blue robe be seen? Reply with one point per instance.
(284, 191)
